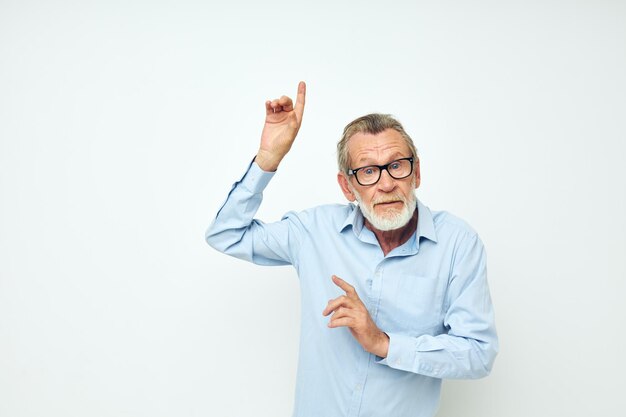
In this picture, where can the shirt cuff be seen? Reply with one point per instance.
(255, 179)
(401, 354)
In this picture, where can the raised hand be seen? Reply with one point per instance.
(349, 311)
(282, 122)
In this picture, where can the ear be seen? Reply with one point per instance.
(342, 179)
(416, 172)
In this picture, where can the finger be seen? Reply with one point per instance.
(268, 107)
(342, 322)
(274, 104)
(342, 312)
(349, 289)
(286, 103)
(332, 305)
(300, 99)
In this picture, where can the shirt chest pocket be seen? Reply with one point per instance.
(412, 305)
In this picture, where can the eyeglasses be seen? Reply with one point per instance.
(370, 175)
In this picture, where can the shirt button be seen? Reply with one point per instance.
(358, 387)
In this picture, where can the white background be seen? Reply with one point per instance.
(123, 125)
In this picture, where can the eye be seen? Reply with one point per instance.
(368, 171)
(394, 165)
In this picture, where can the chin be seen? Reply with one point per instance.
(391, 220)
(386, 225)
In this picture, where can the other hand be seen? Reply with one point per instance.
(349, 311)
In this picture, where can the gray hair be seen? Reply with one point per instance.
(371, 124)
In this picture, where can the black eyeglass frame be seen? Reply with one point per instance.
(380, 170)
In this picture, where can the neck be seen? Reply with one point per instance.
(391, 239)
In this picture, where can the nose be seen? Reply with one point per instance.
(386, 182)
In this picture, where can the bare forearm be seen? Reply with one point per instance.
(267, 161)
(381, 347)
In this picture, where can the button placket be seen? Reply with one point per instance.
(377, 285)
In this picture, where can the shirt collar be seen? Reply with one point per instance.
(425, 223)
(354, 219)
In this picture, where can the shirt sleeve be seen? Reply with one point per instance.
(234, 230)
(470, 346)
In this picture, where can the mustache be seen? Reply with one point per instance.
(388, 199)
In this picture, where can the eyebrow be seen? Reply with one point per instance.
(394, 156)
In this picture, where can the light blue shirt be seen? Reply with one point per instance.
(430, 296)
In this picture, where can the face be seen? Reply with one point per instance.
(390, 203)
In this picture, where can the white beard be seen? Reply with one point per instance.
(392, 219)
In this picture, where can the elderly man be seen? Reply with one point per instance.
(394, 296)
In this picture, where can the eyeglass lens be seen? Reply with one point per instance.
(371, 174)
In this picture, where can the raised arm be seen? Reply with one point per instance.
(282, 123)
(234, 230)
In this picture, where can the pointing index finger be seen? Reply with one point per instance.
(300, 99)
(349, 289)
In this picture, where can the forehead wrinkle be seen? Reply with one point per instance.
(382, 153)
(379, 148)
